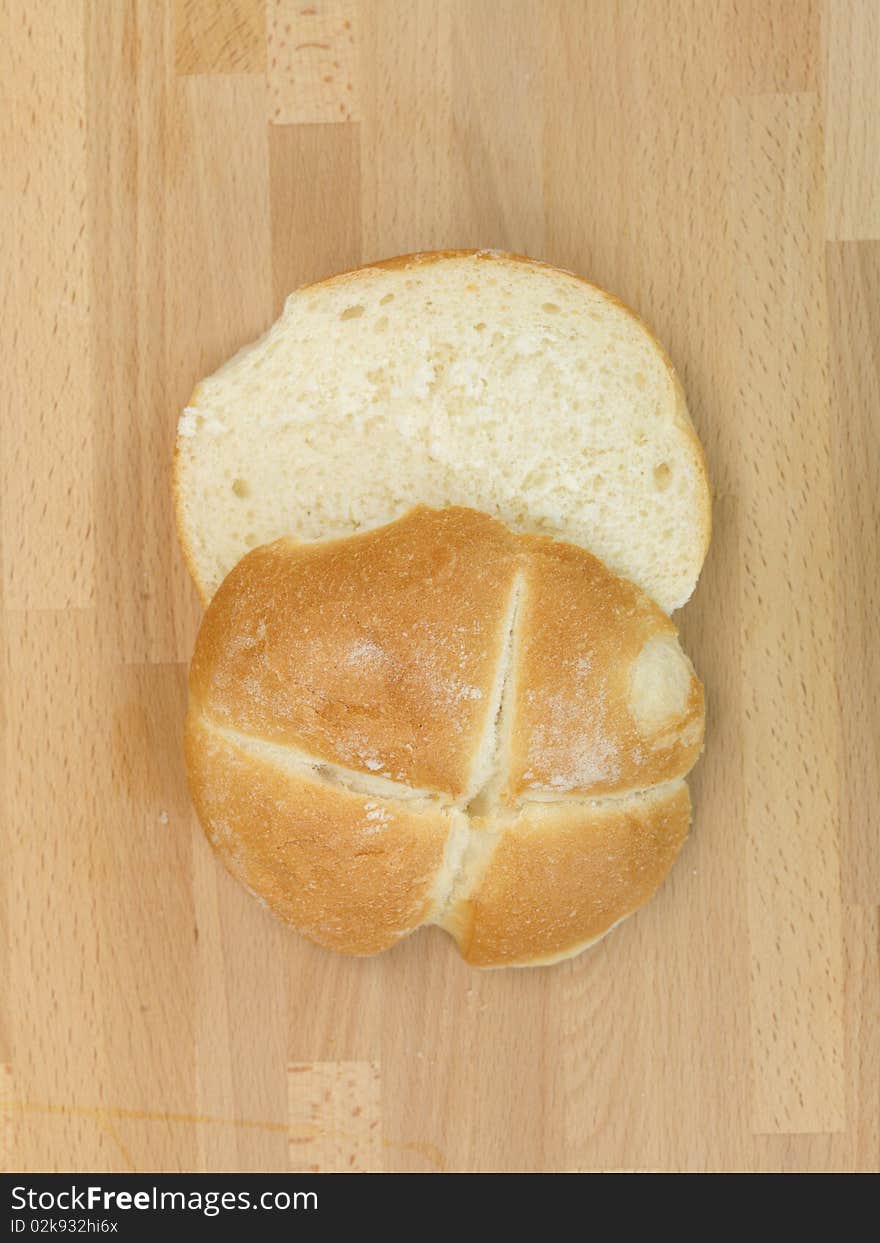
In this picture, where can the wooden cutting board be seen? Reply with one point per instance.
(173, 171)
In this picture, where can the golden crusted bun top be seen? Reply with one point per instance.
(484, 691)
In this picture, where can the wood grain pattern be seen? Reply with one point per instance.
(46, 504)
(314, 61)
(220, 38)
(852, 140)
(335, 1117)
(788, 665)
(406, 137)
(175, 168)
(853, 273)
(7, 1119)
(327, 160)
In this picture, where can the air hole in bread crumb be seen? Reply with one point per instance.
(640, 380)
(662, 476)
(481, 327)
(352, 312)
(241, 488)
(550, 307)
(381, 324)
(389, 297)
(250, 540)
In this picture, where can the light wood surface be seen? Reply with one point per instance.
(172, 171)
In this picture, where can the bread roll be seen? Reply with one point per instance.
(441, 721)
(456, 378)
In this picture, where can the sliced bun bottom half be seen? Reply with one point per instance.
(478, 379)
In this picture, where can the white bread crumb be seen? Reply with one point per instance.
(511, 387)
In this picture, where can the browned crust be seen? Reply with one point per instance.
(563, 875)
(424, 259)
(581, 630)
(351, 872)
(377, 652)
(264, 705)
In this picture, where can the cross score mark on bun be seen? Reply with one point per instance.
(441, 721)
